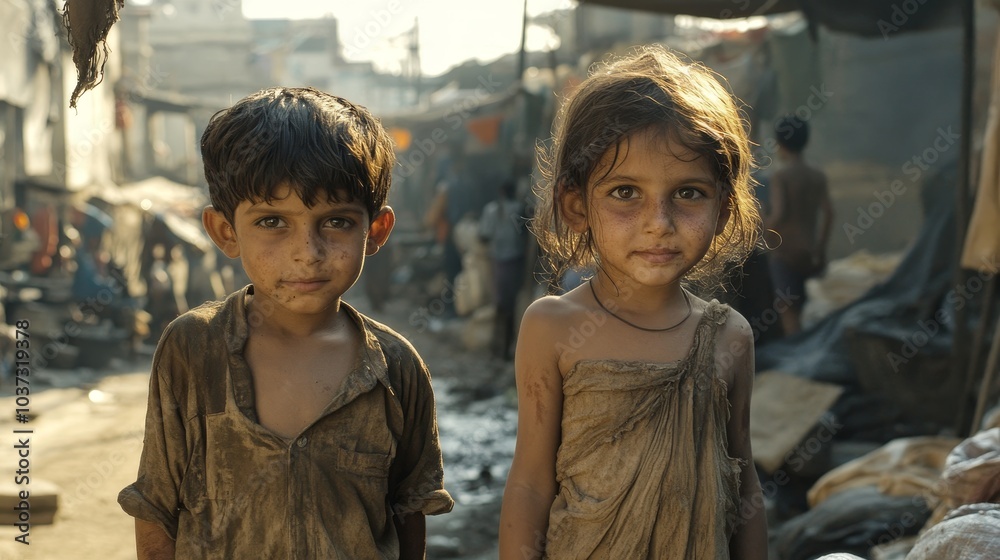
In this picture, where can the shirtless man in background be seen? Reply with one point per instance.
(802, 214)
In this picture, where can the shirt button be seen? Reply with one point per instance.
(302, 441)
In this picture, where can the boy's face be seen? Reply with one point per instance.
(300, 259)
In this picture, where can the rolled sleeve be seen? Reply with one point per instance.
(418, 459)
(155, 495)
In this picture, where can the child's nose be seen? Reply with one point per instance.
(661, 216)
(309, 246)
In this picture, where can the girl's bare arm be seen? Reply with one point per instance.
(152, 542)
(749, 542)
(531, 483)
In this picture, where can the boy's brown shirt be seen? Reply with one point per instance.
(225, 487)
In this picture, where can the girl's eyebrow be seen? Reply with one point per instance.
(707, 181)
(697, 179)
(611, 177)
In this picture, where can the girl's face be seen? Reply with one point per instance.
(654, 215)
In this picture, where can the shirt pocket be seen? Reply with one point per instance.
(224, 451)
(208, 487)
(364, 465)
(366, 472)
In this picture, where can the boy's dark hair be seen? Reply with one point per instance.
(318, 143)
(792, 133)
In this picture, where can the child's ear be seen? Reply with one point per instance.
(725, 212)
(379, 230)
(221, 231)
(573, 208)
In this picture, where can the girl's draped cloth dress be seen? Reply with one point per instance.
(643, 470)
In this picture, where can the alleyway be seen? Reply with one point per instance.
(87, 437)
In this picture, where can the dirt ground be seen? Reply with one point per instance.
(87, 436)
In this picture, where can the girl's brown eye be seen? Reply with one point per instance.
(623, 192)
(689, 193)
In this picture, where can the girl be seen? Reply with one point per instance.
(634, 394)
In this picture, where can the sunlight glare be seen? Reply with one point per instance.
(450, 31)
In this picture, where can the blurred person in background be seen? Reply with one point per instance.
(801, 214)
(503, 226)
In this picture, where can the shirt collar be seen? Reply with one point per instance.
(371, 359)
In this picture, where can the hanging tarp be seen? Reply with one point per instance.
(871, 18)
(88, 23)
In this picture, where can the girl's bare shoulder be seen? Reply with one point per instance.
(732, 326)
(734, 350)
(733, 335)
(558, 309)
(735, 329)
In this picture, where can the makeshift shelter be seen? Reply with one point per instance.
(907, 338)
(483, 129)
(901, 349)
(859, 17)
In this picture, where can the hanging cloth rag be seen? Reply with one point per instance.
(982, 241)
(87, 24)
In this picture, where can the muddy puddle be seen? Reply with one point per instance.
(477, 441)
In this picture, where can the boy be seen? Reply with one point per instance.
(798, 198)
(281, 422)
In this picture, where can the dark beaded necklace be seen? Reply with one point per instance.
(633, 325)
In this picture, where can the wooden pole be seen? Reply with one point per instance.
(973, 370)
(986, 387)
(522, 54)
(960, 348)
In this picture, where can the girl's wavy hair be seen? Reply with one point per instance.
(320, 144)
(652, 89)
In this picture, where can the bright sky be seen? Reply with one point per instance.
(451, 31)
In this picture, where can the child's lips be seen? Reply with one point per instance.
(305, 284)
(658, 255)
